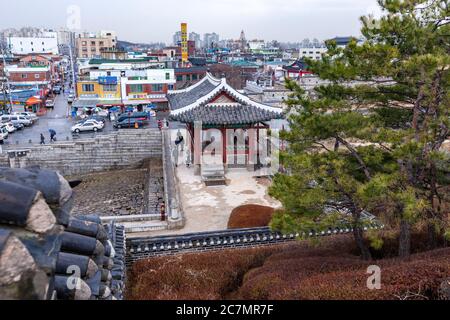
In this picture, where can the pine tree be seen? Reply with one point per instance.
(371, 138)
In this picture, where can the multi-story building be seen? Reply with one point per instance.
(312, 52)
(29, 77)
(256, 45)
(210, 40)
(123, 86)
(66, 41)
(177, 38)
(91, 45)
(45, 42)
(196, 38)
(186, 76)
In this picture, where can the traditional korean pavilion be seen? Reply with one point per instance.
(218, 106)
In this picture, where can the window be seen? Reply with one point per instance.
(194, 77)
(157, 87)
(101, 43)
(88, 87)
(85, 55)
(92, 43)
(37, 76)
(167, 76)
(188, 77)
(136, 88)
(84, 49)
(179, 78)
(43, 43)
(110, 88)
(24, 76)
(171, 86)
(84, 43)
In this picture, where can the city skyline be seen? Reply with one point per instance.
(260, 19)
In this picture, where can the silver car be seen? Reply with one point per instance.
(89, 125)
(17, 119)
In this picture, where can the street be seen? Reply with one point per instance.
(59, 120)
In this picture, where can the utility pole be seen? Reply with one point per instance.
(7, 81)
(72, 65)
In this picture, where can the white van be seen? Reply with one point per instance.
(3, 134)
(16, 119)
(9, 126)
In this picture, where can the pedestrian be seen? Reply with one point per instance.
(42, 139)
(52, 135)
(180, 140)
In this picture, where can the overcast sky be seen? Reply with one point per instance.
(157, 20)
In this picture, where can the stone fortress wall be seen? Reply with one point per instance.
(119, 150)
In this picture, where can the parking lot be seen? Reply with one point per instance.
(59, 120)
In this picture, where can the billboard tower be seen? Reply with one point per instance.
(184, 44)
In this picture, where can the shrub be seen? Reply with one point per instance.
(250, 216)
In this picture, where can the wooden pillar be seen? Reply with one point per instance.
(258, 159)
(224, 146)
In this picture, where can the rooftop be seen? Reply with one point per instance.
(214, 102)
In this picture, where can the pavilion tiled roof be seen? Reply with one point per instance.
(227, 115)
(198, 103)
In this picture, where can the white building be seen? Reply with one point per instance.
(312, 52)
(47, 42)
(177, 38)
(197, 38)
(210, 39)
(256, 44)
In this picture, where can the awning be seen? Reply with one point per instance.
(32, 101)
(146, 101)
(85, 103)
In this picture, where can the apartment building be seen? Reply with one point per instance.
(45, 42)
(91, 45)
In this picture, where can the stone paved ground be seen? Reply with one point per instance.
(111, 193)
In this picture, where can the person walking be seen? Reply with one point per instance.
(42, 139)
(180, 140)
(52, 135)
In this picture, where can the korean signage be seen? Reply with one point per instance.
(107, 80)
(184, 43)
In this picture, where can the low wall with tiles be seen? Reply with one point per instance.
(148, 247)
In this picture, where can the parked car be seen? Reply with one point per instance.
(3, 134)
(143, 116)
(9, 126)
(97, 118)
(71, 98)
(18, 126)
(50, 104)
(89, 125)
(129, 123)
(57, 89)
(17, 119)
(28, 115)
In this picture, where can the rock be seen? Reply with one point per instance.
(444, 290)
